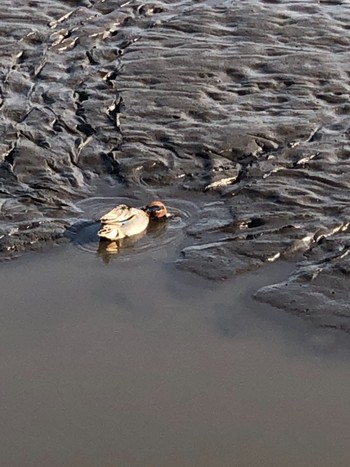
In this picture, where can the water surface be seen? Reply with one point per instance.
(131, 363)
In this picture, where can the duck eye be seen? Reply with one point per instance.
(154, 208)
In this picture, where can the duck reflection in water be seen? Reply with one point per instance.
(108, 248)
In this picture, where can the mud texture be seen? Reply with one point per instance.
(245, 103)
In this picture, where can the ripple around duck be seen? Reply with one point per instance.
(158, 235)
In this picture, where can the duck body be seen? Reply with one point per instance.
(125, 221)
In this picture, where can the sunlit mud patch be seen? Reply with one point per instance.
(159, 234)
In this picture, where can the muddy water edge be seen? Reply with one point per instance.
(235, 114)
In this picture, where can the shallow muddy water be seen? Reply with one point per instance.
(132, 363)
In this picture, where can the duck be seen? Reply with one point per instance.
(126, 221)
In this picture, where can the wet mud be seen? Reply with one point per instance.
(241, 107)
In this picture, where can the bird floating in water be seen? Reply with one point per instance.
(125, 221)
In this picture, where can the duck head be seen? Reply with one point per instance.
(110, 232)
(156, 210)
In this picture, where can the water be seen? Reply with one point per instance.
(132, 363)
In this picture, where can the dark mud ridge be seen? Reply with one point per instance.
(245, 103)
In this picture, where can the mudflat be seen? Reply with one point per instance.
(243, 103)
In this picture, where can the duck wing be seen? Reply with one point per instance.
(136, 225)
(119, 214)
